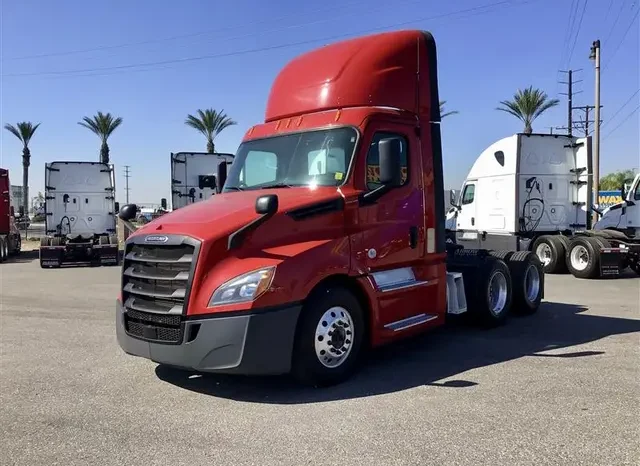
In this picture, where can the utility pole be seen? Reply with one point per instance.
(595, 55)
(585, 124)
(570, 93)
(126, 181)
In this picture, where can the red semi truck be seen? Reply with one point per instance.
(10, 241)
(328, 236)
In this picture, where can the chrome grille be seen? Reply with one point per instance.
(156, 279)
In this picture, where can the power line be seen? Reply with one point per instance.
(623, 106)
(613, 26)
(584, 8)
(606, 16)
(624, 36)
(622, 122)
(573, 13)
(190, 35)
(262, 49)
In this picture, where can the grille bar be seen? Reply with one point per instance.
(156, 281)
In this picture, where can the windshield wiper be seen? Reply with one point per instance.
(233, 188)
(275, 185)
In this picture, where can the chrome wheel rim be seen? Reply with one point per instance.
(334, 337)
(579, 257)
(497, 293)
(532, 283)
(543, 251)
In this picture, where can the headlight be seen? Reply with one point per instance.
(244, 288)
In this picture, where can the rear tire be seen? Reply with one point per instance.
(113, 239)
(489, 291)
(583, 257)
(329, 338)
(103, 240)
(527, 278)
(551, 249)
(2, 254)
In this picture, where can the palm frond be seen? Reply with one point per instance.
(102, 124)
(23, 130)
(527, 105)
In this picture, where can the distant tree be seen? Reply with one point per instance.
(210, 123)
(527, 105)
(613, 181)
(443, 113)
(24, 132)
(103, 125)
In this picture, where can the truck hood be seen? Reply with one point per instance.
(225, 213)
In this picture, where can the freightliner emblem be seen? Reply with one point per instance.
(156, 239)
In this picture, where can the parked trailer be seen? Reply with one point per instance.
(10, 241)
(80, 215)
(532, 192)
(328, 237)
(193, 176)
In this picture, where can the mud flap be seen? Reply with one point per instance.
(107, 254)
(51, 256)
(611, 262)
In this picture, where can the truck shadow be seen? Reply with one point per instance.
(24, 257)
(429, 359)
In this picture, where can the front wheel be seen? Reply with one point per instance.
(329, 338)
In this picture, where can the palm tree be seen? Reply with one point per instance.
(527, 105)
(210, 123)
(443, 113)
(103, 125)
(24, 131)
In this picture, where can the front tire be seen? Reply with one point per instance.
(329, 338)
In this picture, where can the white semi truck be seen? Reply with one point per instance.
(532, 192)
(193, 176)
(80, 215)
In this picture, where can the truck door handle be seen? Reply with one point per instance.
(473, 221)
(413, 237)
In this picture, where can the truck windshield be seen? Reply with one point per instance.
(314, 158)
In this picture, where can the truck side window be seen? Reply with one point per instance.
(636, 193)
(468, 194)
(373, 170)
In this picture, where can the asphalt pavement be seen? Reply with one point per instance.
(561, 387)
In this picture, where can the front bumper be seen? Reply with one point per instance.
(257, 343)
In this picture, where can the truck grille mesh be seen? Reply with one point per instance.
(155, 284)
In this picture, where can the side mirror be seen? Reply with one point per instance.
(117, 204)
(267, 205)
(389, 161)
(21, 210)
(623, 192)
(222, 177)
(452, 197)
(128, 212)
(163, 203)
(12, 211)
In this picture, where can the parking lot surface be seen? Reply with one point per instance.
(557, 388)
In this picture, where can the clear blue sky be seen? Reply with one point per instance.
(485, 54)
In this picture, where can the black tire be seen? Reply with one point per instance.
(113, 239)
(555, 247)
(2, 256)
(477, 281)
(103, 240)
(56, 241)
(44, 241)
(18, 248)
(527, 278)
(306, 366)
(584, 245)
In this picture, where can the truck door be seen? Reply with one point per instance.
(633, 207)
(391, 243)
(466, 230)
